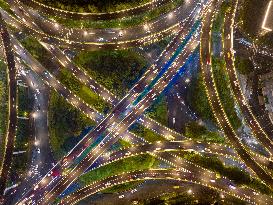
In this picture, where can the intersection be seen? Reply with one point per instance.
(190, 29)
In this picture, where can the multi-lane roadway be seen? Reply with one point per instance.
(9, 139)
(218, 110)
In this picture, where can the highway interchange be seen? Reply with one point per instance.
(191, 26)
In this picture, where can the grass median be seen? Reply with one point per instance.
(65, 124)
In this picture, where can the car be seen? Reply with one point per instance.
(38, 91)
(120, 34)
(134, 190)
(208, 61)
(100, 39)
(121, 196)
(232, 187)
(38, 107)
(55, 173)
(38, 150)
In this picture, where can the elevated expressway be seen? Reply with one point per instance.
(219, 185)
(83, 39)
(102, 91)
(188, 172)
(249, 117)
(99, 89)
(218, 110)
(88, 159)
(128, 119)
(149, 74)
(123, 122)
(185, 145)
(9, 139)
(103, 126)
(151, 5)
(144, 79)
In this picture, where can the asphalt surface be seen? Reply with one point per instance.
(121, 127)
(186, 172)
(137, 36)
(12, 121)
(41, 158)
(94, 16)
(82, 165)
(255, 126)
(128, 110)
(104, 93)
(216, 103)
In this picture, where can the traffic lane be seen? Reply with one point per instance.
(149, 189)
(41, 160)
(111, 35)
(247, 113)
(40, 121)
(217, 107)
(194, 175)
(91, 46)
(159, 147)
(94, 16)
(106, 143)
(102, 91)
(12, 115)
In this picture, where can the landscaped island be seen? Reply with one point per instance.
(93, 6)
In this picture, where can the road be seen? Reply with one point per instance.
(12, 107)
(249, 117)
(179, 113)
(137, 36)
(45, 9)
(110, 116)
(123, 125)
(41, 158)
(219, 113)
(50, 80)
(224, 153)
(59, 31)
(106, 95)
(191, 173)
(150, 190)
(151, 124)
